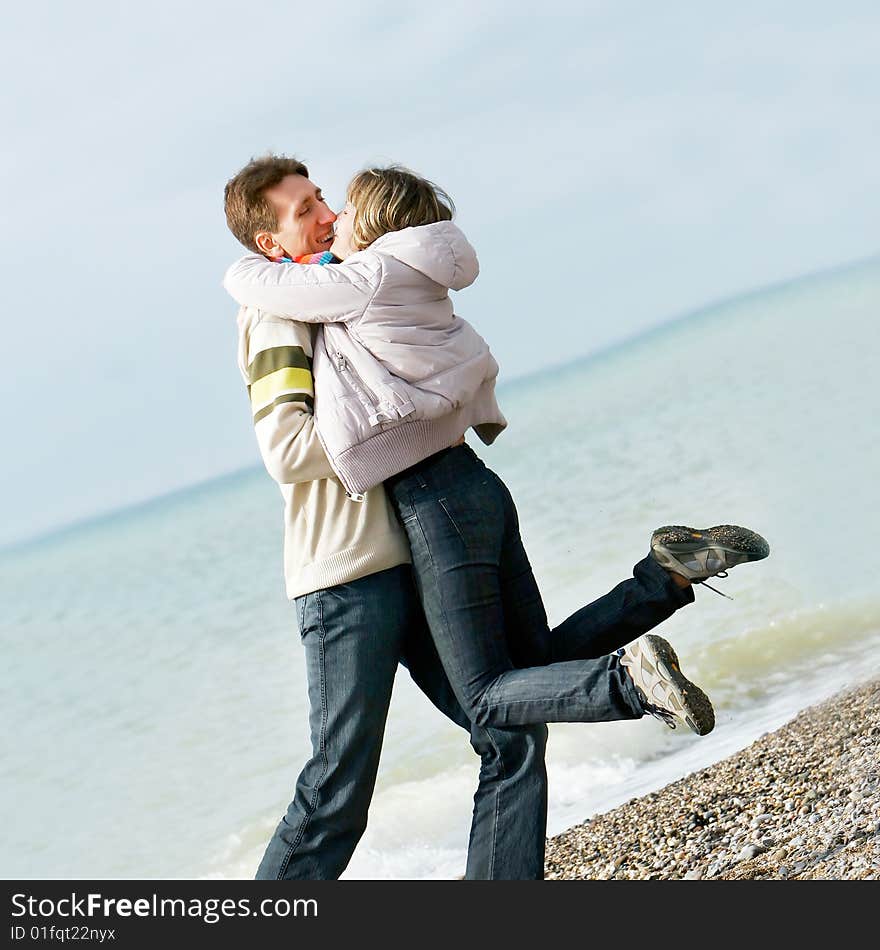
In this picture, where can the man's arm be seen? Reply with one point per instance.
(275, 358)
(310, 293)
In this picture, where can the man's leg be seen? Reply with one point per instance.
(352, 635)
(509, 823)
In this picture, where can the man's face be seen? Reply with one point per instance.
(305, 223)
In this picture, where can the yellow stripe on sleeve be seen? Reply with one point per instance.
(289, 379)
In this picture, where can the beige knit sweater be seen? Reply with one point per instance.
(328, 539)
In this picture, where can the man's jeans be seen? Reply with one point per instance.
(486, 615)
(353, 635)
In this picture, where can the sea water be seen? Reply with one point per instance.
(153, 688)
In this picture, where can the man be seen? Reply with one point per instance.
(347, 568)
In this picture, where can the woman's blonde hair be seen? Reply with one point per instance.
(393, 198)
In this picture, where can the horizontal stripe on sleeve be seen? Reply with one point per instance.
(275, 358)
(287, 397)
(282, 381)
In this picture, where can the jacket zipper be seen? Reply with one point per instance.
(365, 396)
(350, 374)
(353, 495)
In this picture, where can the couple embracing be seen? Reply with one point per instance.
(400, 545)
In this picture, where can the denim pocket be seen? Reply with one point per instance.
(300, 604)
(445, 506)
(475, 517)
(405, 511)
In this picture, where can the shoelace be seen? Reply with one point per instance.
(662, 714)
(721, 574)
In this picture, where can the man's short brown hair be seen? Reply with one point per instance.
(244, 198)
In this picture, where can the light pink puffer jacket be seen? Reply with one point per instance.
(398, 376)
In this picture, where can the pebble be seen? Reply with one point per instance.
(802, 802)
(748, 852)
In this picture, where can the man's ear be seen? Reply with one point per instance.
(266, 243)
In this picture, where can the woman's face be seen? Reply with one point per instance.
(342, 244)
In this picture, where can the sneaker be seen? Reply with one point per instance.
(663, 690)
(698, 554)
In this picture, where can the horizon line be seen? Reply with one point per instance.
(715, 303)
(96, 518)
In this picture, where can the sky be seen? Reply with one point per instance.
(616, 165)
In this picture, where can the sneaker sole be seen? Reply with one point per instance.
(696, 709)
(678, 539)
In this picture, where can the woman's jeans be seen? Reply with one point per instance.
(486, 615)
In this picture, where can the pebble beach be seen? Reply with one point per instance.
(802, 802)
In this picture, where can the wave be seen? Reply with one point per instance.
(743, 668)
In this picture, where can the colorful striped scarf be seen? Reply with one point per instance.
(325, 257)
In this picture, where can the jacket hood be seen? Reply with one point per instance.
(439, 251)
